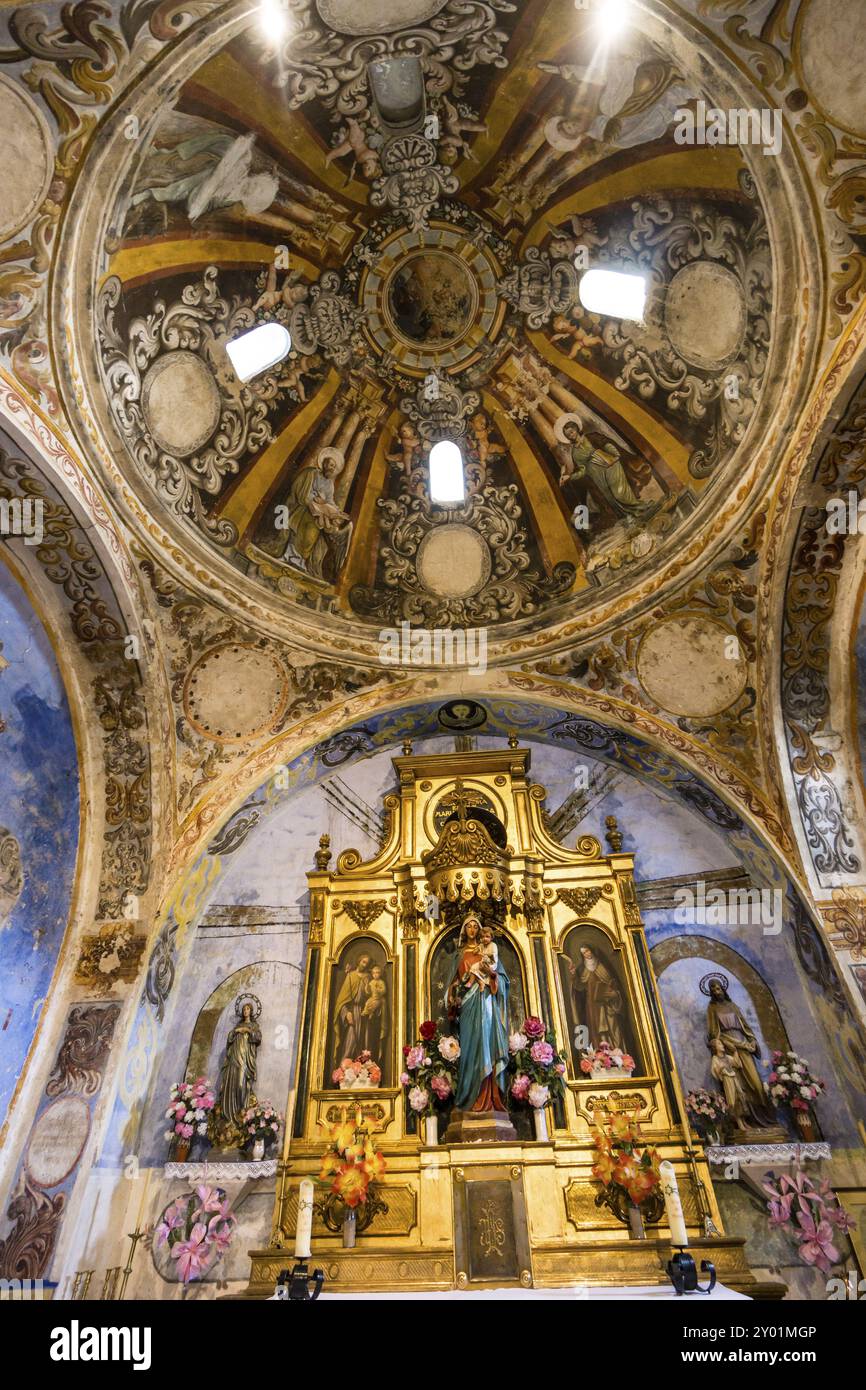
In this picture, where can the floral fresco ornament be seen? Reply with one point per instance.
(197, 1229)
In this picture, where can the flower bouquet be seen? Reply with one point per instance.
(536, 1069)
(606, 1063)
(360, 1073)
(351, 1166)
(629, 1173)
(261, 1123)
(197, 1229)
(188, 1113)
(430, 1071)
(792, 1085)
(816, 1211)
(708, 1112)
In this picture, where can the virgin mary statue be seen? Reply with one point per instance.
(479, 993)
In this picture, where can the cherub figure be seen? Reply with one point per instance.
(581, 341)
(353, 140)
(485, 447)
(452, 142)
(409, 449)
(292, 375)
(292, 291)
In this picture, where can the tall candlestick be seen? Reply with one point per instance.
(304, 1226)
(673, 1204)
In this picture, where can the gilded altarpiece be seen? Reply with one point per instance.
(465, 834)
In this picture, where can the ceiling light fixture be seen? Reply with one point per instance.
(446, 473)
(262, 347)
(613, 293)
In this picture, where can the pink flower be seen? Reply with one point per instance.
(337, 1075)
(520, 1086)
(187, 1131)
(542, 1053)
(628, 1061)
(560, 1068)
(449, 1048)
(538, 1095)
(516, 1042)
(586, 1065)
(209, 1200)
(419, 1099)
(219, 1232)
(441, 1085)
(414, 1058)
(816, 1244)
(192, 1255)
(405, 1078)
(533, 1027)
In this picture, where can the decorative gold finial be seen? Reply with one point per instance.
(323, 853)
(613, 835)
(513, 740)
(407, 747)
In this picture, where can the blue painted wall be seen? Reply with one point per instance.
(39, 806)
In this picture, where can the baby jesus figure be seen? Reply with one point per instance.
(487, 965)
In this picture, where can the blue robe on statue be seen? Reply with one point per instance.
(483, 1027)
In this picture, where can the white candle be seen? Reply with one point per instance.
(304, 1228)
(673, 1204)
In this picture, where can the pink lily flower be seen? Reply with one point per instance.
(816, 1245)
(192, 1255)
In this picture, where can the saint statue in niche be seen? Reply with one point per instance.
(478, 995)
(598, 1002)
(238, 1077)
(734, 1052)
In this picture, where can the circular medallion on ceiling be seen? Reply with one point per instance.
(57, 1141)
(430, 299)
(705, 314)
(376, 16)
(234, 692)
(26, 164)
(453, 561)
(180, 402)
(692, 667)
(828, 39)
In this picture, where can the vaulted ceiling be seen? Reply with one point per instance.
(415, 192)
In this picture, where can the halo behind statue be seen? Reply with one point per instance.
(560, 424)
(248, 999)
(705, 983)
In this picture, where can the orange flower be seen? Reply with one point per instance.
(341, 1136)
(603, 1168)
(642, 1185)
(330, 1164)
(374, 1164)
(622, 1129)
(625, 1170)
(351, 1185)
(602, 1143)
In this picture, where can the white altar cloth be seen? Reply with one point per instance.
(655, 1293)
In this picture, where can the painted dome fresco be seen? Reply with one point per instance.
(414, 190)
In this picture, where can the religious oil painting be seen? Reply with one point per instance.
(360, 1017)
(596, 997)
